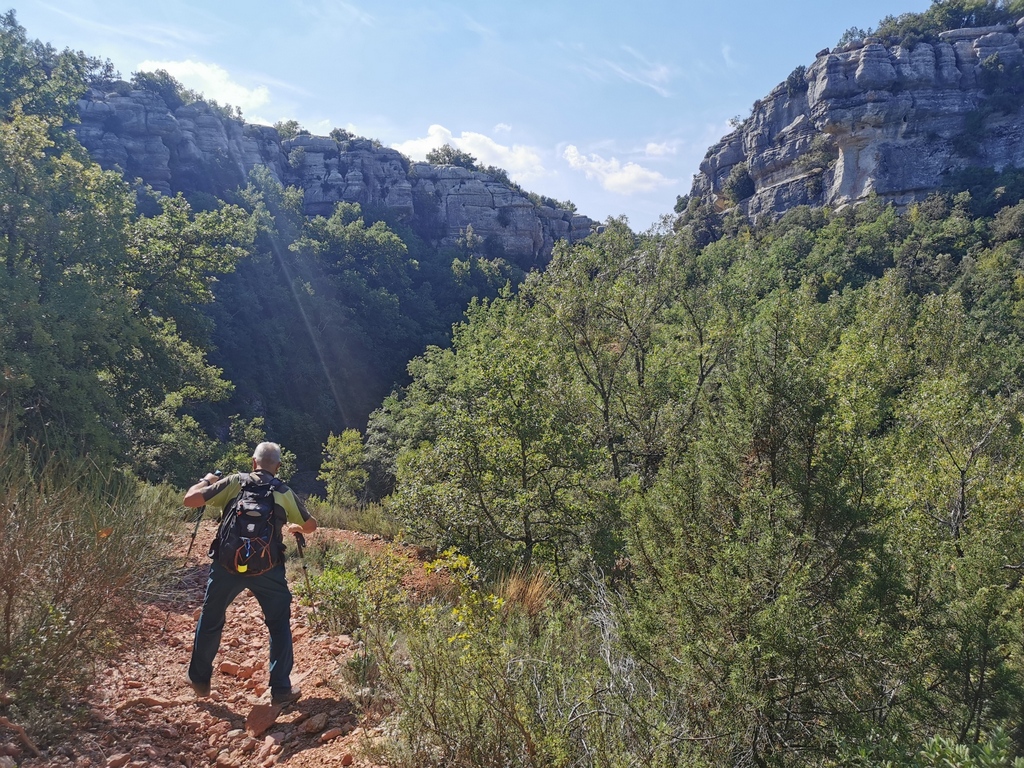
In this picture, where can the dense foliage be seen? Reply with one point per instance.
(80, 545)
(112, 342)
(795, 451)
(102, 335)
(910, 28)
(765, 481)
(319, 323)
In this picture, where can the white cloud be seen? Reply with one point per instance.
(417, 148)
(333, 13)
(644, 72)
(614, 176)
(163, 36)
(213, 81)
(320, 127)
(522, 163)
(730, 62)
(502, 128)
(661, 150)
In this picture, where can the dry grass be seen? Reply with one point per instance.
(79, 552)
(367, 518)
(529, 592)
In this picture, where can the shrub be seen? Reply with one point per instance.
(541, 201)
(365, 518)
(336, 595)
(996, 752)
(510, 677)
(288, 129)
(166, 86)
(297, 158)
(446, 154)
(352, 588)
(739, 186)
(1002, 83)
(796, 82)
(80, 545)
(852, 35)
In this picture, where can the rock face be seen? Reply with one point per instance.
(194, 148)
(870, 119)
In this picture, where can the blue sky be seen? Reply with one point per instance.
(609, 104)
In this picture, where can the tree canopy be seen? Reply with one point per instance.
(793, 450)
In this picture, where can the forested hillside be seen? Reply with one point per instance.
(104, 336)
(715, 494)
(795, 456)
(150, 330)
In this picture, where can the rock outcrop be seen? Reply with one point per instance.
(869, 119)
(197, 149)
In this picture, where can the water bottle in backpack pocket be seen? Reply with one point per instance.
(247, 540)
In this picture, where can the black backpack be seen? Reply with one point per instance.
(248, 542)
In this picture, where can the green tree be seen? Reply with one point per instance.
(245, 435)
(739, 185)
(446, 154)
(166, 86)
(510, 477)
(289, 129)
(607, 301)
(954, 518)
(747, 555)
(101, 340)
(343, 468)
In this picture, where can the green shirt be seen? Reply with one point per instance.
(287, 506)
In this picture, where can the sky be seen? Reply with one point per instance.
(611, 105)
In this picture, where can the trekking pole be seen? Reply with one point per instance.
(199, 518)
(195, 531)
(300, 542)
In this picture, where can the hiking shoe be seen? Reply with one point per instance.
(202, 689)
(281, 698)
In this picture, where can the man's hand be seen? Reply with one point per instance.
(293, 529)
(194, 495)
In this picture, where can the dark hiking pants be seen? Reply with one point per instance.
(271, 590)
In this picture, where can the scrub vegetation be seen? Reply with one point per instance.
(708, 495)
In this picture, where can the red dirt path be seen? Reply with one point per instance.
(142, 713)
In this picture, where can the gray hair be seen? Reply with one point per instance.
(267, 454)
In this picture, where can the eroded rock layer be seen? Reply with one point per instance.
(870, 119)
(194, 148)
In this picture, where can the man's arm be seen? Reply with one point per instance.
(297, 510)
(307, 527)
(194, 496)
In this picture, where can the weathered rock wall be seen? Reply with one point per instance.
(195, 149)
(870, 119)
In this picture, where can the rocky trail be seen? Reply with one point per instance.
(141, 711)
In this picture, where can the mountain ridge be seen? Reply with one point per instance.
(896, 121)
(197, 148)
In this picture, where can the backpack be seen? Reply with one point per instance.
(248, 542)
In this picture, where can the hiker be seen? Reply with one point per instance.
(284, 513)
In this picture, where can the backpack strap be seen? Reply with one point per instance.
(243, 479)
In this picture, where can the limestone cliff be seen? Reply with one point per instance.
(195, 148)
(892, 121)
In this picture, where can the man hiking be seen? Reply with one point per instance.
(248, 553)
